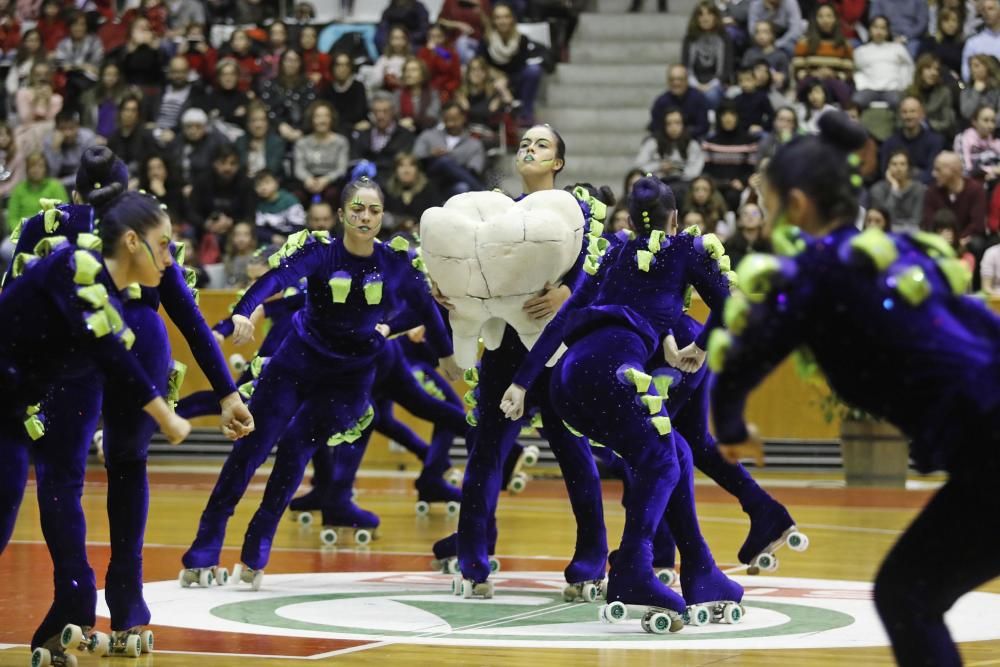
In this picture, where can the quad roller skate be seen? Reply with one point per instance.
(634, 591)
(437, 490)
(712, 598)
(350, 516)
(51, 654)
(445, 558)
(131, 643)
(303, 507)
(517, 479)
(585, 591)
(770, 529)
(455, 476)
(665, 572)
(654, 620)
(585, 574)
(247, 575)
(81, 639)
(203, 576)
(469, 589)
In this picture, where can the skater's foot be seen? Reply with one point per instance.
(712, 597)
(436, 490)
(768, 523)
(641, 587)
(588, 564)
(307, 502)
(348, 515)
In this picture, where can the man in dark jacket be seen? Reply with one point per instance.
(384, 139)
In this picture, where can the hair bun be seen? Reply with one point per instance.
(837, 128)
(104, 195)
(101, 177)
(646, 190)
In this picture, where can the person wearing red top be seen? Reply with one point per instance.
(442, 62)
(153, 11)
(463, 19)
(317, 63)
(962, 196)
(240, 48)
(850, 13)
(51, 25)
(198, 51)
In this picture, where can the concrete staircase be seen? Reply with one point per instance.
(600, 100)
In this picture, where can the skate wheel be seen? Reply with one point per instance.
(456, 585)
(205, 578)
(454, 478)
(221, 579)
(494, 564)
(100, 644)
(423, 508)
(570, 593)
(451, 565)
(362, 537)
(182, 579)
(71, 637)
(732, 613)
(767, 562)
(667, 576)
(453, 508)
(798, 541)
(697, 616)
(485, 590)
(589, 593)
(328, 536)
(238, 362)
(258, 578)
(531, 455)
(70, 660)
(41, 657)
(146, 641)
(467, 589)
(616, 612)
(658, 623)
(518, 483)
(237, 573)
(133, 646)
(305, 518)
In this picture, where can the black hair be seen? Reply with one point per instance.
(263, 174)
(560, 144)
(69, 115)
(101, 178)
(603, 194)
(820, 166)
(888, 25)
(131, 211)
(225, 150)
(884, 212)
(451, 104)
(650, 204)
(363, 183)
(664, 144)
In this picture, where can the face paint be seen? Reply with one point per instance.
(152, 256)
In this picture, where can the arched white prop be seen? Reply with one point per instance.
(488, 254)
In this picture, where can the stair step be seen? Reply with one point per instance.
(679, 7)
(608, 97)
(653, 75)
(569, 120)
(623, 142)
(598, 27)
(627, 53)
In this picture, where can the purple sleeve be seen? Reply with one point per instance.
(707, 277)
(293, 302)
(288, 273)
(179, 303)
(417, 294)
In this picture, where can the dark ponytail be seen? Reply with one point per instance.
(823, 167)
(650, 204)
(102, 177)
(131, 210)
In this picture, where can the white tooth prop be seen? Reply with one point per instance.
(489, 254)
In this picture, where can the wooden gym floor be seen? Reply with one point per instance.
(850, 531)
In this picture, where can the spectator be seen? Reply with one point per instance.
(484, 99)
(851, 13)
(408, 193)
(631, 177)
(784, 15)
(764, 49)
(454, 159)
(26, 195)
(411, 14)
(317, 64)
(348, 95)
(908, 19)
(79, 56)
(824, 52)
(287, 96)
(227, 103)
(241, 49)
(321, 156)
(935, 95)
(813, 102)
(945, 224)
(786, 128)
(707, 52)
(179, 95)
(417, 104)
(771, 83)
(749, 236)
(201, 57)
(899, 194)
(947, 42)
(507, 50)
(29, 52)
(919, 141)
(443, 63)
(194, 147)
(184, 13)
(979, 148)
(989, 269)
(277, 45)
(12, 170)
(671, 154)
(690, 101)
(64, 147)
(261, 148)
(702, 197)
(140, 58)
(969, 21)
(218, 201)
(879, 218)
(752, 103)
(380, 143)
(387, 72)
(279, 213)
(696, 219)
(160, 179)
(868, 153)
(463, 19)
(621, 222)
(884, 67)
(131, 141)
(254, 12)
(51, 25)
(730, 155)
(964, 197)
(99, 105)
(986, 41)
(152, 11)
(984, 88)
(240, 248)
(37, 107)
(320, 218)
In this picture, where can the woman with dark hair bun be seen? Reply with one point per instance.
(887, 320)
(72, 407)
(613, 324)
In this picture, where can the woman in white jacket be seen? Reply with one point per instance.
(883, 67)
(671, 154)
